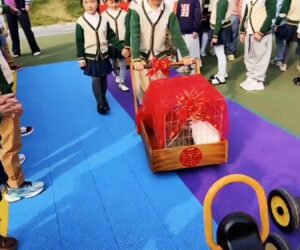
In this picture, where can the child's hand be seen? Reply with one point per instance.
(82, 63)
(5, 33)
(126, 52)
(242, 38)
(276, 28)
(187, 61)
(139, 65)
(14, 10)
(27, 7)
(257, 37)
(195, 35)
(214, 41)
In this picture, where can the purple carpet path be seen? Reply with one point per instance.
(257, 149)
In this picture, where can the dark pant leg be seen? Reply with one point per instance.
(287, 48)
(26, 26)
(99, 85)
(3, 176)
(12, 21)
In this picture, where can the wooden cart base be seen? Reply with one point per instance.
(183, 157)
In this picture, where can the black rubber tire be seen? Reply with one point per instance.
(276, 241)
(293, 209)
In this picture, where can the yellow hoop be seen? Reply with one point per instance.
(3, 217)
(211, 194)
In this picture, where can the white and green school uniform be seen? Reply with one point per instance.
(220, 22)
(257, 18)
(290, 12)
(116, 19)
(220, 18)
(131, 7)
(93, 33)
(148, 32)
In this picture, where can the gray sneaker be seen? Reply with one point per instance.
(27, 190)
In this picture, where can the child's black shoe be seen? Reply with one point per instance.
(296, 80)
(103, 107)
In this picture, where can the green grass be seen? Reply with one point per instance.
(47, 12)
(73, 7)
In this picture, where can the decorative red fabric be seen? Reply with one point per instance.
(184, 98)
(162, 65)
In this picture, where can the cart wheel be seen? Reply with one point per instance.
(276, 242)
(284, 209)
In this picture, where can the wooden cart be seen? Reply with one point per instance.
(179, 157)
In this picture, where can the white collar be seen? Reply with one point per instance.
(148, 8)
(92, 19)
(89, 16)
(113, 13)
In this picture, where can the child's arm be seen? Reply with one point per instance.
(27, 5)
(283, 11)
(127, 25)
(242, 29)
(222, 7)
(80, 45)
(177, 38)
(112, 38)
(271, 13)
(298, 31)
(135, 36)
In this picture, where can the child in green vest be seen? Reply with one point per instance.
(256, 34)
(290, 11)
(93, 34)
(220, 22)
(132, 5)
(116, 18)
(149, 23)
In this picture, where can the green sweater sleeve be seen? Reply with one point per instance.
(79, 42)
(112, 38)
(127, 32)
(4, 9)
(177, 36)
(222, 7)
(135, 36)
(245, 14)
(285, 8)
(271, 13)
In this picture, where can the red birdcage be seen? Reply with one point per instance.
(184, 123)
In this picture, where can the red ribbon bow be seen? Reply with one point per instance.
(189, 108)
(162, 65)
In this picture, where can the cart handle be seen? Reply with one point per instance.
(216, 187)
(195, 62)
